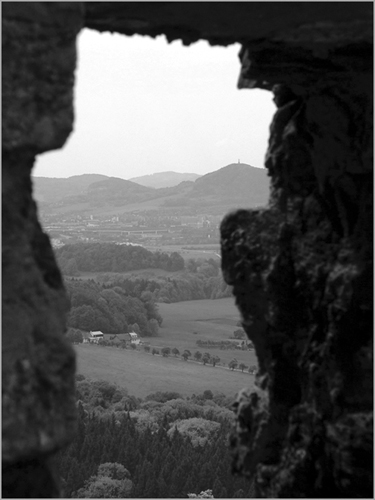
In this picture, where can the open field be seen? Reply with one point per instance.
(190, 253)
(141, 373)
(211, 319)
(139, 273)
(154, 204)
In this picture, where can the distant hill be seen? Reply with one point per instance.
(237, 185)
(234, 186)
(164, 179)
(116, 191)
(51, 189)
(89, 188)
(235, 181)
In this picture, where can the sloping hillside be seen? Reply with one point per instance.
(164, 179)
(53, 189)
(237, 180)
(235, 186)
(116, 191)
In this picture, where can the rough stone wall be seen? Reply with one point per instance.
(301, 269)
(38, 404)
(302, 277)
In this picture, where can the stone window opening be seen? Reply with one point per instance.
(304, 286)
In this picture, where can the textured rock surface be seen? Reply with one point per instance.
(38, 407)
(311, 22)
(301, 269)
(302, 277)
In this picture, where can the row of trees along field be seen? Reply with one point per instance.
(99, 257)
(94, 306)
(164, 446)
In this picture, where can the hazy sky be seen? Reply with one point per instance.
(144, 106)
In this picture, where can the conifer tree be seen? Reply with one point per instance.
(163, 489)
(150, 489)
(169, 466)
(177, 482)
(239, 494)
(75, 479)
(190, 486)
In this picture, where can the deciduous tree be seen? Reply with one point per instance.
(197, 355)
(206, 358)
(153, 327)
(111, 481)
(208, 394)
(239, 334)
(199, 430)
(166, 351)
(214, 360)
(233, 364)
(202, 494)
(186, 354)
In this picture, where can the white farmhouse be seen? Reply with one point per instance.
(134, 338)
(94, 337)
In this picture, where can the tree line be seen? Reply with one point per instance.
(164, 446)
(109, 257)
(206, 358)
(226, 344)
(202, 279)
(197, 279)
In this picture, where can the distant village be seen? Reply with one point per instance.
(132, 228)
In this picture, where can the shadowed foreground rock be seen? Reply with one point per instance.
(301, 269)
(302, 277)
(38, 364)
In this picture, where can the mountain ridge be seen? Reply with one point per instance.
(168, 178)
(49, 189)
(236, 184)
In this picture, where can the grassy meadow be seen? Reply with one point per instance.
(188, 253)
(82, 208)
(142, 373)
(209, 319)
(139, 273)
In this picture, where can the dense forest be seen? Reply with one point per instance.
(201, 279)
(164, 446)
(94, 306)
(197, 279)
(102, 257)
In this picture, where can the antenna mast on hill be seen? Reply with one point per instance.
(238, 160)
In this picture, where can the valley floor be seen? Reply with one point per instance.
(142, 373)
